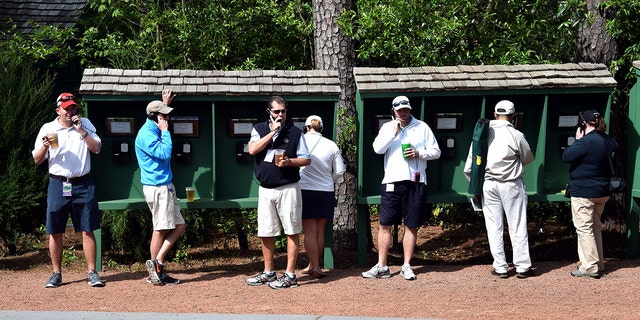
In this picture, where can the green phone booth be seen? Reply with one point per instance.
(451, 99)
(210, 127)
(633, 174)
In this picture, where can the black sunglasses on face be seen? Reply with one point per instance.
(283, 111)
(402, 102)
(67, 98)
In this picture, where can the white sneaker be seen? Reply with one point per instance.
(377, 272)
(407, 273)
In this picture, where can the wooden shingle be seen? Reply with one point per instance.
(487, 77)
(101, 81)
(27, 15)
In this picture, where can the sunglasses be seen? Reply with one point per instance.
(67, 98)
(283, 111)
(401, 102)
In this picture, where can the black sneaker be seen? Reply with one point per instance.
(94, 279)
(284, 282)
(261, 278)
(526, 274)
(168, 279)
(154, 270)
(54, 281)
(501, 275)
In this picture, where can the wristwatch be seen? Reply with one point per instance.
(84, 135)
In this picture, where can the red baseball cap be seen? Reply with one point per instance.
(66, 100)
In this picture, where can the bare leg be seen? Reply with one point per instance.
(310, 228)
(293, 246)
(170, 239)
(409, 243)
(55, 251)
(268, 253)
(89, 248)
(384, 244)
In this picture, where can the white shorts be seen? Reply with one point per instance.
(164, 206)
(279, 206)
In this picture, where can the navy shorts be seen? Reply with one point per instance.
(318, 204)
(408, 201)
(82, 205)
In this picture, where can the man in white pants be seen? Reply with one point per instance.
(504, 191)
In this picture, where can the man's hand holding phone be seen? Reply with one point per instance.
(276, 123)
(396, 125)
(163, 124)
(579, 133)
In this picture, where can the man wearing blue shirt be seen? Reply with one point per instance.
(153, 151)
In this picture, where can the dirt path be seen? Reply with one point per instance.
(444, 291)
(453, 270)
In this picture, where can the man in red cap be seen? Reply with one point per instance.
(66, 143)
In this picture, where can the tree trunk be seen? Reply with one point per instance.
(335, 51)
(594, 44)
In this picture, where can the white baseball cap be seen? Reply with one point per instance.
(311, 118)
(505, 107)
(400, 102)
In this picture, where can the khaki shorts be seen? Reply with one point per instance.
(279, 206)
(164, 206)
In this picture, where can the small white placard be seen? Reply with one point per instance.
(447, 123)
(242, 127)
(183, 127)
(120, 127)
(567, 121)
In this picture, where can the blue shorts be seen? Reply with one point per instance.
(408, 201)
(82, 205)
(318, 204)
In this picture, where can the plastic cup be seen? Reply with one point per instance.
(53, 138)
(279, 155)
(405, 146)
(191, 194)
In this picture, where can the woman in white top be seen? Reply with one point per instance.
(318, 193)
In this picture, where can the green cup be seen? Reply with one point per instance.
(405, 146)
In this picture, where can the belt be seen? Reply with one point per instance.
(74, 179)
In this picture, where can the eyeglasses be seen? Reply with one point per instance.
(401, 102)
(282, 111)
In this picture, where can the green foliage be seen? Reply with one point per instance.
(442, 32)
(450, 216)
(208, 35)
(346, 139)
(22, 191)
(68, 256)
(50, 46)
(128, 232)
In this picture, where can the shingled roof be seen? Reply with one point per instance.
(483, 77)
(102, 81)
(23, 13)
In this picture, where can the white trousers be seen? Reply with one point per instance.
(506, 199)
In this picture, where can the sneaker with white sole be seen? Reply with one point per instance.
(54, 281)
(407, 272)
(377, 272)
(94, 279)
(154, 273)
(284, 282)
(261, 278)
